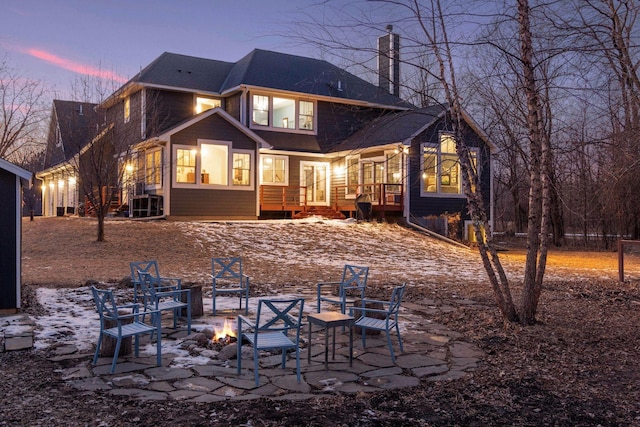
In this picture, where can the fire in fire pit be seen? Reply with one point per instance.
(225, 335)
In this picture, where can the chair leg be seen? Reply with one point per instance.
(214, 301)
(115, 355)
(255, 366)
(159, 350)
(393, 356)
(364, 337)
(298, 364)
(189, 316)
(284, 358)
(239, 353)
(399, 338)
(97, 354)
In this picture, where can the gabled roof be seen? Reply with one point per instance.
(274, 70)
(226, 116)
(187, 72)
(398, 128)
(76, 123)
(16, 170)
(261, 69)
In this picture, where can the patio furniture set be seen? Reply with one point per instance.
(278, 321)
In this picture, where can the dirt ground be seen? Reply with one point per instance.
(579, 366)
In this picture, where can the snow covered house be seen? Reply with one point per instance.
(276, 135)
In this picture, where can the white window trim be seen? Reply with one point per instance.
(286, 170)
(270, 126)
(252, 170)
(438, 194)
(199, 185)
(153, 186)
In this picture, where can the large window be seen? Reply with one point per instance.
(274, 170)
(213, 164)
(441, 168)
(153, 167)
(282, 113)
(241, 169)
(186, 165)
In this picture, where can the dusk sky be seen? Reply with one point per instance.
(56, 40)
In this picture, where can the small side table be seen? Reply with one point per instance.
(331, 320)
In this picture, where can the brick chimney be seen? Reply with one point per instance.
(389, 62)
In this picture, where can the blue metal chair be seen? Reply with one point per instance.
(351, 285)
(229, 279)
(157, 300)
(275, 320)
(151, 267)
(124, 327)
(381, 319)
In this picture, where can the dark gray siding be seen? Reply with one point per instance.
(213, 203)
(216, 203)
(167, 108)
(8, 271)
(214, 127)
(427, 206)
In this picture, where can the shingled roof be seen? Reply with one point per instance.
(392, 128)
(76, 122)
(265, 69)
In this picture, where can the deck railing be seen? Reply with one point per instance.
(384, 197)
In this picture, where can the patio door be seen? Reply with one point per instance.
(372, 173)
(315, 177)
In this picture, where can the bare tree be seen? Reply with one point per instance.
(102, 160)
(22, 104)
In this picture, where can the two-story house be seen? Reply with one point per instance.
(277, 135)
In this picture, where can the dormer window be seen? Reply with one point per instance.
(279, 112)
(204, 104)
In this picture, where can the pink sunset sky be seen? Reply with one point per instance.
(57, 41)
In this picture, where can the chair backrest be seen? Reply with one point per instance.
(396, 299)
(105, 304)
(150, 267)
(227, 269)
(353, 277)
(279, 314)
(146, 281)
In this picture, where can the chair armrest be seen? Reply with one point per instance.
(173, 292)
(242, 319)
(134, 315)
(375, 301)
(170, 279)
(366, 310)
(321, 284)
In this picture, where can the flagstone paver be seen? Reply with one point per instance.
(432, 353)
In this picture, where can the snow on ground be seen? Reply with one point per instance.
(300, 253)
(393, 253)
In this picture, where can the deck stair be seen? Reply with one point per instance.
(324, 211)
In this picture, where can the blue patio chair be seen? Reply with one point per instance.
(126, 325)
(151, 267)
(157, 300)
(383, 319)
(229, 279)
(275, 321)
(351, 286)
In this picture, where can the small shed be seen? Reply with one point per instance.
(11, 180)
